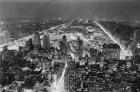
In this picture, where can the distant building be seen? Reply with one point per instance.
(80, 47)
(8, 55)
(63, 45)
(93, 52)
(64, 39)
(136, 51)
(29, 45)
(45, 64)
(36, 40)
(111, 51)
(46, 42)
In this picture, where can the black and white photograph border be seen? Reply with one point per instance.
(69, 46)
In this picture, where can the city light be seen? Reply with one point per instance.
(58, 86)
(28, 90)
(124, 52)
(2, 23)
(61, 60)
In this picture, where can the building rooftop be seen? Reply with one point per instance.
(111, 46)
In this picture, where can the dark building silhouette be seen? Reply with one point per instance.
(64, 39)
(29, 45)
(46, 42)
(80, 47)
(63, 45)
(36, 40)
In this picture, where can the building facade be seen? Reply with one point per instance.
(136, 50)
(80, 47)
(111, 51)
(46, 42)
(36, 40)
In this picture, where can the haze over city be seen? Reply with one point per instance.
(108, 9)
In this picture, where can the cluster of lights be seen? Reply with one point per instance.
(124, 52)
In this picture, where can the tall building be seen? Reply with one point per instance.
(80, 47)
(36, 40)
(46, 42)
(63, 45)
(136, 51)
(111, 51)
(64, 39)
(29, 45)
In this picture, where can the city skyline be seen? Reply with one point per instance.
(74, 55)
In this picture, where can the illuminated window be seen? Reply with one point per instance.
(138, 45)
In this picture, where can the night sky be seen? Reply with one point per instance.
(109, 9)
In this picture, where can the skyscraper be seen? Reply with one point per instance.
(36, 40)
(29, 45)
(63, 45)
(64, 39)
(80, 47)
(46, 42)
